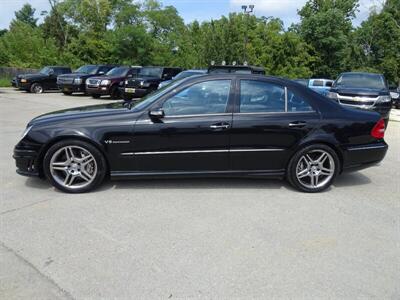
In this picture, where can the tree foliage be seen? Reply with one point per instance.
(323, 44)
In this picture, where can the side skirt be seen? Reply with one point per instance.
(118, 175)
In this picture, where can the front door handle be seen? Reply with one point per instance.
(220, 126)
(297, 124)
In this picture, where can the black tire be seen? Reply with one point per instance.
(114, 93)
(292, 169)
(36, 88)
(96, 96)
(67, 93)
(98, 177)
(127, 98)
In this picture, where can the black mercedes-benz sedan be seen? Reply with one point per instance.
(208, 125)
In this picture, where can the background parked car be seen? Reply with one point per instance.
(75, 82)
(239, 69)
(363, 90)
(147, 81)
(395, 94)
(319, 85)
(181, 75)
(108, 84)
(46, 79)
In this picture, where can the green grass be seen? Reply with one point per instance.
(5, 82)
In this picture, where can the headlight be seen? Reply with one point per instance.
(126, 81)
(26, 132)
(384, 99)
(23, 80)
(77, 81)
(332, 95)
(144, 84)
(394, 95)
(105, 82)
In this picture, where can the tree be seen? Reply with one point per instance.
(326, 25)
(379, 39)
(26, 15)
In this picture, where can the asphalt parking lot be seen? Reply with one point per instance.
(197, 238)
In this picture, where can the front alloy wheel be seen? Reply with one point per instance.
(36, 88)
(74, 166)
(313, 169)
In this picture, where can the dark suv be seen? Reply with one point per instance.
(363, 90)
(108, 84)
(75, 82)
(147, 81)
(238, 69)
(46, 79)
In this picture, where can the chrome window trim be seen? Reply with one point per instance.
(201, 151)
(196, 115)
(367, 148)
(277, 112)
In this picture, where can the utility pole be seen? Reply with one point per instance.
(247, 10)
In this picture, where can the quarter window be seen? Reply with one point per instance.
(208, 97)
(297, 103)
(260, 96)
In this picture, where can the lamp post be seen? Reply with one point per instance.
(247, 10)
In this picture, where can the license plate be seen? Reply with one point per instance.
(129, 90)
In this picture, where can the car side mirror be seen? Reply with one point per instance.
(156, 113)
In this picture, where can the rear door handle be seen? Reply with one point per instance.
(297, 124)
(220, 126)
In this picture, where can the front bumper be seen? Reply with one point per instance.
(101, 90)
(134, 92)
(363, 156)
(24, 86)
(72, 88)
(26, 162)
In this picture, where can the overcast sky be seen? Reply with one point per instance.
(202, 9)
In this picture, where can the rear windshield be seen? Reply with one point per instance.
(372, 81)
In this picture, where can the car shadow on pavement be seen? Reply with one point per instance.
(344, 180)
(351, 179)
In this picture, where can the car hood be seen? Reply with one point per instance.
(33, 76)
(76, 75)
(81, 112)
(360, 91)
(103, 77)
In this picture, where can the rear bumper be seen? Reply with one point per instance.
(26, 162)
(363, 156)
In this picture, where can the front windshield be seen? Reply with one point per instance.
(372, 81)
(118, 71)
(151, 72)
(87, 69)
(45, 70)
(150, 98)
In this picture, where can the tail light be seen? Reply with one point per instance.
(378, 131)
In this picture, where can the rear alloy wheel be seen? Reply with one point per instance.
(313, 168)
(74, 166)
(36, 88)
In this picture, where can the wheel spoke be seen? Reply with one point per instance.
(69, 153)
(303, 173)
(326, 171)
(69, 179)
(312, 179)
(322, 158)
(85, 175)
(316, 179)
